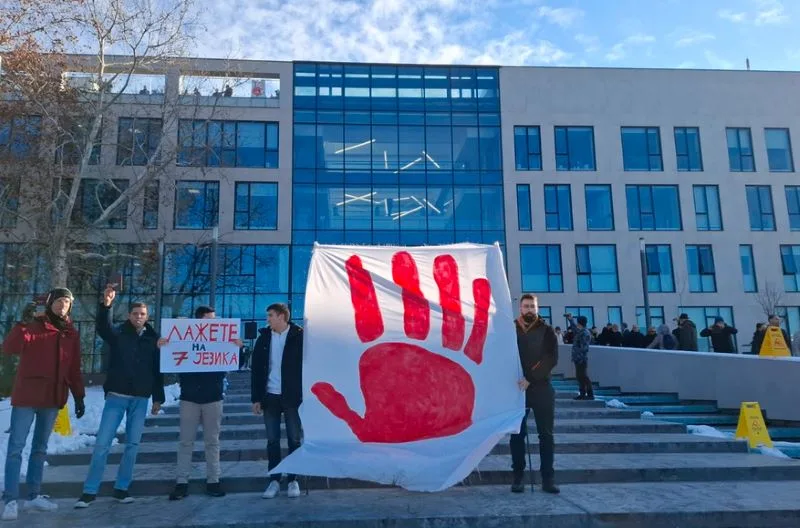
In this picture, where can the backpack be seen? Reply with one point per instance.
(668, 342)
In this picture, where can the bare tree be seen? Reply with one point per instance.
(769, 298)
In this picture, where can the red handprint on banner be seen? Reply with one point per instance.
(411, 393)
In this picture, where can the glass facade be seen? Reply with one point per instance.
(404, 155)
(641, 149)
(599, 208)
(653, 208)
(707, 211)
(759, 207)
(541, 268)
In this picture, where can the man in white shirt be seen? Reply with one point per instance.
(277, 388)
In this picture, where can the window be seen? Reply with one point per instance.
(790, 261)
(660, 277)
(527, 148)
(793, 205)
(759, 207)
(19, 136)
(641, 149)
(599, 208)
(150, 205)
(558, 207)
(597, 268)
(748, 268)
(256, 206)
(137, 140)
(541, 268)
(740, 150)
(790, 318)
(615, 315)
(687, 149)
(653, 208)
(707, 212)
(524, 222)
(546, 313)
(94, 197)
(779, 149)
(700, 262)
(228, 144)
(70, 147)
(196, 205)
(574, 148)
(703, 317)
(9, 202)
(586, 311)
(656, 317)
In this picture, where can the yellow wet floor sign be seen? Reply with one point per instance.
(62, 425)
(752, 426)
(774, 344)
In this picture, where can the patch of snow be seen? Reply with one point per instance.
(705, 430)
(616, 404)
(786, 444)
(172, 394)
(648, 414)
(772, 451)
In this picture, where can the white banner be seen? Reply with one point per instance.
(410, 364)
(200, 345)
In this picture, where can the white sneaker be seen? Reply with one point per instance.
(10, 511)
(294, 490)
(41, 503)
(272, 490)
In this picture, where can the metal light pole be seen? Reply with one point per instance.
(159, 283)
(212, 298)
(643, 260)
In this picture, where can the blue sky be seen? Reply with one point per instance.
(717, 34)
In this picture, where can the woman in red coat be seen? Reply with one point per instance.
(49, 366)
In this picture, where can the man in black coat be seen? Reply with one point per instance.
(721, 336)
(538, 353)
(277, 388)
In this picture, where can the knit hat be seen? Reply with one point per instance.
(57, 293)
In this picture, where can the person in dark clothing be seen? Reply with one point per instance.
(635, 339)
(134, 375)
(615, 337)
(201, 402)
(721, 336)
(758, 338)
(650, 336)
(277, 388)
(580, 356)
(538, 353)
(604, 339)
(686, 334)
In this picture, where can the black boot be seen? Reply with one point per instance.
(518, 486)
(549, 486)
(214, 489)
(180, 491)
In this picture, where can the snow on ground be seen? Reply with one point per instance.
(705, 430)
(773, 452)
(84, 431)
(616, 404)
(648, 414)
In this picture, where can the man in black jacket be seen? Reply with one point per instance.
(201, 402)
(277, 388)
(721, 336)
(134, 374)
(538, 353)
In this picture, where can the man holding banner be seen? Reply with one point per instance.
(538, 353)
(277, 389)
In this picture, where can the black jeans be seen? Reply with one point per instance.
(542, 399)
(273, 409)
(584, 383)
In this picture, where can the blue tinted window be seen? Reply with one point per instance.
(541, 268)
(704, 316)
(524, 222)
(94, 197)
(740, 150)
(574, 148)
(596, 266)
(74, 140)
(707, 211)
(790, 261)
(19, 136)
(641, 149)
(688, 153)
(586, 311)
(759, 207)
(137, 140)
(196, 204)
(658, 259)
(9, 202)
(558, 207)
(614, 315)
(656, 317)
(527, 148)
(546, 313)
(150, 200)
(779, 149)
(700, 264)
(599, 208)
(793, 205)
(256, 206)
(748, 268)
(231, 144)
(653, 208)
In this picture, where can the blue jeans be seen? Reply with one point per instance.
(273, 409)
(21, 420)
(115, 409)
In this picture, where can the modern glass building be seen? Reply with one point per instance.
(571, 170)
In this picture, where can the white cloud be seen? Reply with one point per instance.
(732, 16)
(620, 50)
(689, 38)
(770, 12)
(561, 16)
(590, 43)
(717, 62)
(686, 65)
(514, 50)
